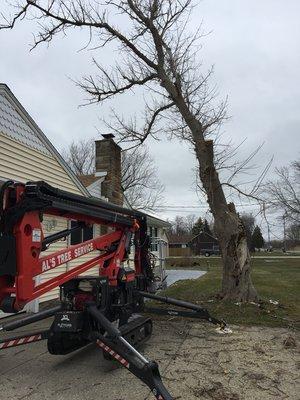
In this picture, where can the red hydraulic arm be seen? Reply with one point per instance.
(27, 239)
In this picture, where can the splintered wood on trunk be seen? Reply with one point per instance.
(236, 283)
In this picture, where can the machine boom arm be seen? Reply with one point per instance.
(90, 306)
(23, 243)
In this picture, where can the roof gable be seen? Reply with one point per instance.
(13, 125)
(176, 239)
(157, 222)
(204, 236)
(16, 123)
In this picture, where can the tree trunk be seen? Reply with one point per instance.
(236, 283)
(229, 229)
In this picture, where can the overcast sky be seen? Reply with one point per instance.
(255, 48)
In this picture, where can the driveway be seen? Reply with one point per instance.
(174, 275)
(196, 363)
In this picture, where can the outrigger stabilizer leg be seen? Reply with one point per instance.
(194, 310)
(115, 345)
(30, 319)
(29, 337)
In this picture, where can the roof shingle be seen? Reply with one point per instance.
(176, 239)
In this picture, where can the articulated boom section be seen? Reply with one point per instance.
(101, 309)
(23, 245)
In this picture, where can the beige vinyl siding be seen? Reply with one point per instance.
(22, 163)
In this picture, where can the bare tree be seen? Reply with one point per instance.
(293, 233)
(283, 193)
(158, 53)
(183, 225)
(178, 225)
(190, 221)
(141, 186)
(80, 156)
(140, 183)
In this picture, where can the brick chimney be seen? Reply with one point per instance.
(108, 159)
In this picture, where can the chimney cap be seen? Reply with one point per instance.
(108, 135)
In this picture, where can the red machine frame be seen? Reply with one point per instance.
(29, 235)
(85, 313)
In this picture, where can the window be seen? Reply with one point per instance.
(81, 235)
(153, 233)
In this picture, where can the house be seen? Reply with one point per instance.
(105, 183)
(185, 245)
(179, 245)
(204, 244)
(26, 154)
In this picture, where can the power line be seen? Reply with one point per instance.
(202, 206)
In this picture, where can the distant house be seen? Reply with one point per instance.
(184, 245)
(179, 245)
(204, 244)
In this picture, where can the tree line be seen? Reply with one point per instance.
(191, 225)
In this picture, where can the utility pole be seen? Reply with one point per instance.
(269, 240)
(268, 226)
(284, 233)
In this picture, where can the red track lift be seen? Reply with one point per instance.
(104, 309)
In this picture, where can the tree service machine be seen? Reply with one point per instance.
(104, 309)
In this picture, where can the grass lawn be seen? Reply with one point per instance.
(274, 279)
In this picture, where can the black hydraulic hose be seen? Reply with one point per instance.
(3, 187)
(64, 201)
(33, 188)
